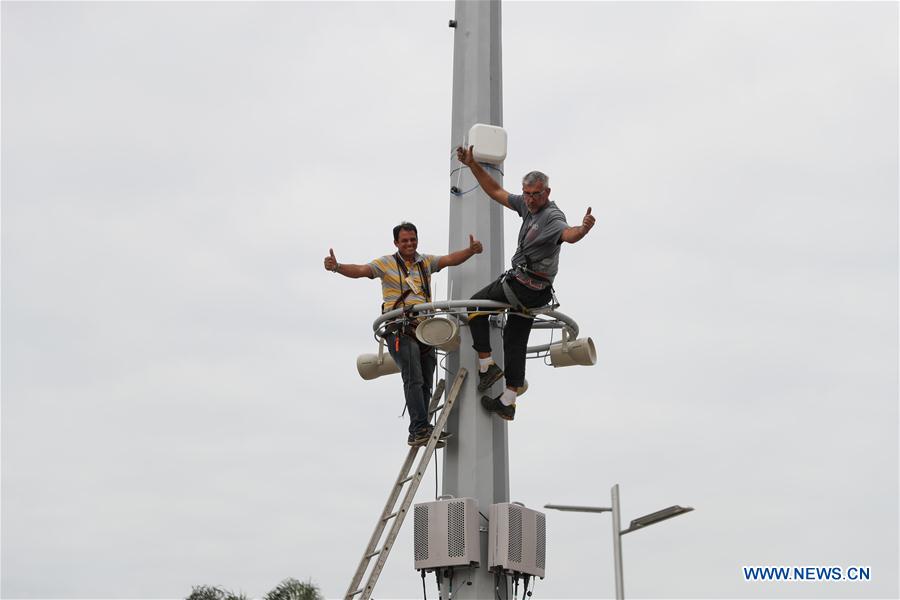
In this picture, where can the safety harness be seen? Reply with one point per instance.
(405, 325)
(528, 278)
(423, 277)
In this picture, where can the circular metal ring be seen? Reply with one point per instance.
(557, 319)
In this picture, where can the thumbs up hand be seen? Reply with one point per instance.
(474, 245)
(330, 261)
(588, 220)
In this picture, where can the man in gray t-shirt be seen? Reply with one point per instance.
(527, 285)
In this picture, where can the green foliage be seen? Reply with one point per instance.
(291, 589)
(209, 592)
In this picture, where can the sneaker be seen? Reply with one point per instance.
(421, 438)
(495, 406)
(489, 377)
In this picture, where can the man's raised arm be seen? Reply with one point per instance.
(461, 256)
(487, 183)
(574, 234)
(352, 271)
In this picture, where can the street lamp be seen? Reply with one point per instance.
(639, 523)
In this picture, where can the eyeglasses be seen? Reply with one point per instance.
(533, 194)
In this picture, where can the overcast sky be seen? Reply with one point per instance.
(180, 404)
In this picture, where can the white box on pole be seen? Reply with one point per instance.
(489, 142)
(445, 534)
(517, 539)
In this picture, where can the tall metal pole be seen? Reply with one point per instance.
(617, 543)
(476, 465)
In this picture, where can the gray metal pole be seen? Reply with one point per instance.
(617, 543)
(476, 462)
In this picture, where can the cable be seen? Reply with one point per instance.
(501, 576)
(548, 352)
(435, 480)
(454, 189)
(458, 193)
(424, 593)
(468, 580)
(450, 374)
(483, 165)
(525, 591)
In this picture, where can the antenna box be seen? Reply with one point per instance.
(445, 534)
(489, 142)
(517, 539)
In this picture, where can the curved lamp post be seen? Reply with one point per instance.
(639, 523)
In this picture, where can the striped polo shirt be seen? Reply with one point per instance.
(385, 268)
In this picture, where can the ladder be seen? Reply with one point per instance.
(391, 511)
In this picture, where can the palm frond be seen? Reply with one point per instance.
(291, 589)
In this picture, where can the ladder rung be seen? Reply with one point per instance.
(436, 408)
(401, 482)
(390, 516)
(376, 553)
(359, 591)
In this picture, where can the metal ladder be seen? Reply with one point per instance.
(391, 512)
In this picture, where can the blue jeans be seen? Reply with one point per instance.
(417, 370)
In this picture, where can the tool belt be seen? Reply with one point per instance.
(402, 327)
(406, 326)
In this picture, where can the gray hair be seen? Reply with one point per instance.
(536, 177)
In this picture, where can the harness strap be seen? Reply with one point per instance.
(400, 300)
(511, 297)
(403, 272)
(405, 324)
(531, 272)
(514, 301)
(423, 276)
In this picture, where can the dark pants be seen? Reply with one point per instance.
(516, 332)
(417, 370)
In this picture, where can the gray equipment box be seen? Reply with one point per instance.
(445, 534)
(517, 539)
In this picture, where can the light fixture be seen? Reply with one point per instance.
(573, 352)
(660, 515)
(440, 332)
(372, 366)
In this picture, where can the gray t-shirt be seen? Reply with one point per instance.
(539, 237)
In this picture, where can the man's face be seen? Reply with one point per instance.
(406, 243)
(536, 196)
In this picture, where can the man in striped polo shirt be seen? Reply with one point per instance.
(406, 281)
